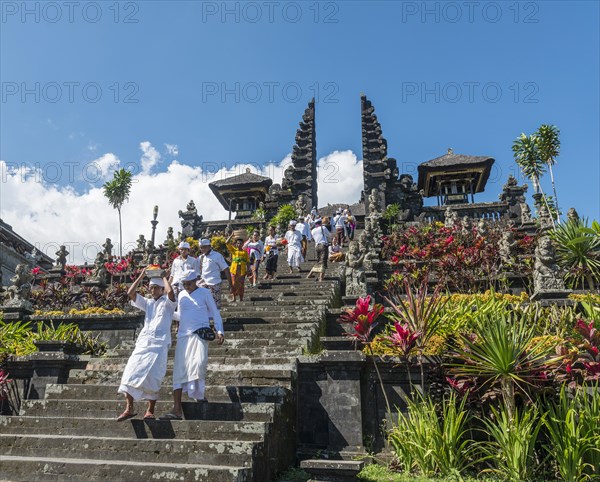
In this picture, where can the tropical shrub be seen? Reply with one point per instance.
(458, 259)
(572, 423)
(17, 338)
(284, 215)
(433, 439)
(511, 448)
(503, 357)
(417, 318)
(578, 252)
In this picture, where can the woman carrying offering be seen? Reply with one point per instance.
(239, 262)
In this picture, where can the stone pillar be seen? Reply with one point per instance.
(330, 403)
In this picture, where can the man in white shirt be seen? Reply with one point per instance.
(294, 247)
(212, 265)
(182, 263)
(195, 306)
(147, 365)
(339, 222)
(321, 236)
(304, 231)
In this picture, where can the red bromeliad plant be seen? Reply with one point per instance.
(404, 339)
(583, 362)
(363, 319)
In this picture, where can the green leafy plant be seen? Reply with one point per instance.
(504, 352)
(283, 217)
(513, 434)
(15, 338)
(434, 439)
(578, 251)
(573, 436)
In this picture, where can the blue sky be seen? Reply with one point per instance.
(227, 82)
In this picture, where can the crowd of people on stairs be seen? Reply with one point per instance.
(188, 296)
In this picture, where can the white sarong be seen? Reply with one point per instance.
(145, 369)
(190, 364)
(294, 256)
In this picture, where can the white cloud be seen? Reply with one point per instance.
(106, 165)
(48, 215)
(150, 157)
(340, 178)
(172, 149)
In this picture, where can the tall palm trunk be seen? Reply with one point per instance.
(536, 182)
(120, 235)
(554, 190)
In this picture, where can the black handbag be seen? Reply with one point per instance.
(206, 333)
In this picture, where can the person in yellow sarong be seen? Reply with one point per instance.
(238, 267)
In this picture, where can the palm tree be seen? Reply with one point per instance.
(526, 152)
(117, 192)
(549, 147)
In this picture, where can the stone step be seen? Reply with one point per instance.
(214, 393)
(21, 469)
(209, 452)
(110, 409)
(259, 328)
(215, 362)
(137, 428)
(225, 350)
(262, 375)
(290, 303)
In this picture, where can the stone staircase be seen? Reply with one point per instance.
(246, 431)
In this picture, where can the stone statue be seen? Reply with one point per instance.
(61, 257)
(507, 247)
(544, 219)
(33, 258)
(141, 243)
(482, 229)
(546, 273)
(354, 271)
(148, 252)
(99, 272)
(450, 217)
(156, 260)
(465, 225)
(108, 246)
(374, 200)
(525, 213)
(572, 215)
(300, 205)
(19, 291)
(169, 236)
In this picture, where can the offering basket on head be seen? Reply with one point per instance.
(155, 271)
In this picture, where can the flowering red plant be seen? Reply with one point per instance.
(363, 319)
(403, 338)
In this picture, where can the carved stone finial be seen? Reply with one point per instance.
(572, 215)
